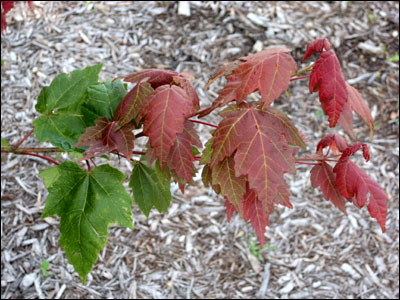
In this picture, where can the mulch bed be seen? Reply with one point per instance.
(313, 250)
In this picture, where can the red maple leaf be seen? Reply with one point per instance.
(258, 142)
(327, 78)
(180, 158)
(317, 46)
(106, 137)
(322, 176)
(360, 107)
(267, 71)
(354, 182)
(254, 211)
(346, 119)
(165, 113)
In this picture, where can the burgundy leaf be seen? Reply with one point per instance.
(167, 108)
(327, 78)
(354, 182)
(322, 176)
(360, 107)
(105, 137)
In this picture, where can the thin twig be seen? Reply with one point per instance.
(204, 123)
(23, 139)
(41, 156)
(11, 149)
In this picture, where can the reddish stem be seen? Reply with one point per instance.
(138, 152)
(41, 156)
(88, 165)
(23, 139)
(305, 163)
(301, 77)
(204, 123)
(140, 134)
(93, 162)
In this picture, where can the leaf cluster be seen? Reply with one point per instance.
(245, 160)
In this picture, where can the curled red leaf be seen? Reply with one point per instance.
(155, 77)
(336, 143)
(366, 152)
(106, 137)
(317, 46)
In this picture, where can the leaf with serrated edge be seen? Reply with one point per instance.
(180, 158)
(106, 137)
(166, 112)
(327, 78)
(283, 125)
(360, 107)
(62, 128)
(262, 155)
(67, 89)
(268, 71)
(354, 182)
(254, 211)
(322, 176)
(150, 187)
(87, 204)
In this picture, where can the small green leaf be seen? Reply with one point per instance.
(44, 267)
(4, 142)
(319, 113)
(102, 100)
(87, 204)
(150, 187)
(395, 58)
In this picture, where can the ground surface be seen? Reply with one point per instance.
(314, 251)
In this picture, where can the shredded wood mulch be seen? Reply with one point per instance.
(313, 250)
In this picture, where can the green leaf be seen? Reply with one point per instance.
(102, 100)
(67, 89)
(151, 187)
(62, 129)
(61, 122)
(87, 203)
(44, 267)
(4, 142)
(395, 58)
